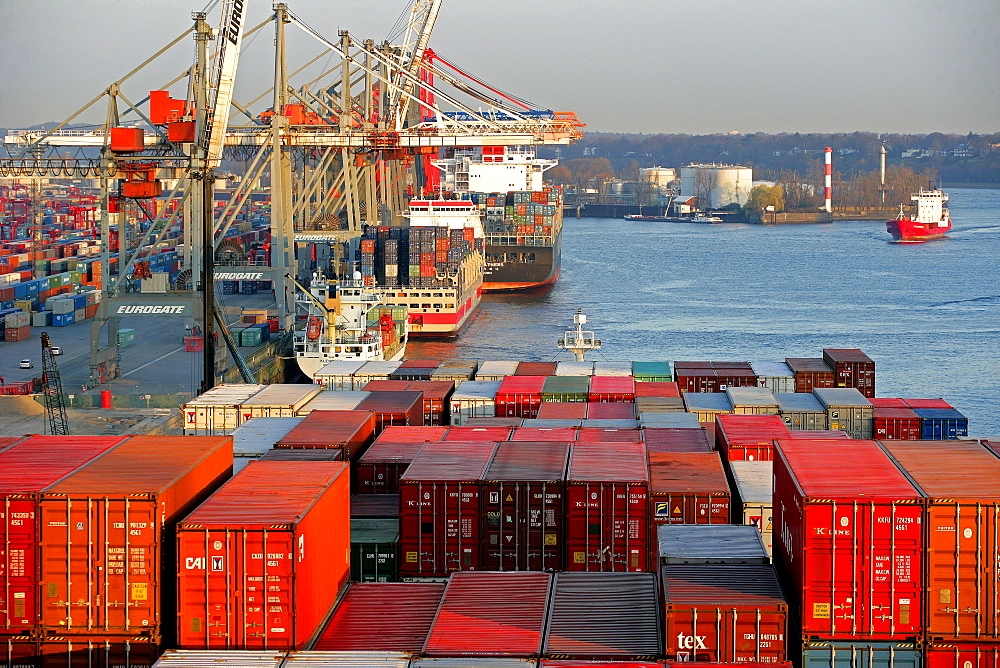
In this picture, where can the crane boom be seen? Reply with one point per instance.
(230, 36)
(418, 33)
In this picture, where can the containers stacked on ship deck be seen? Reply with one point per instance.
(810, 373)
(687, 488)
(753, 495)
(283, 563)
(851, 368)
(847, 410)
(713, 376)
(348, 431)
(374, 548)
(749, 437)
(256, 437)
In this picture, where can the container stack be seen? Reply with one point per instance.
(527, 216)
(413, 256)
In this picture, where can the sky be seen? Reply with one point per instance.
(634, 66)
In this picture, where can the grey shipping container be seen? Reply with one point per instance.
(867, 653)
(710, 544)
(847, 410)
(801, 411)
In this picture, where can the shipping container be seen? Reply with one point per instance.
(523, 507)
(378, 470)
(107, 550)
(375, 370)
(810, 373)
(561, 410)
(440, 508)
(960, 482)
(862, 652)
(278, 400)
(27, 467)
(549, 434)
(217, 411)
(98, 651)
(846, 410)
(752, 497)
(942, 423)
(687, 488)
(477, 662)
(607, 508)
(611, 388)
(337, 375)
(193, 658)
(490, 615)
(348, 431)
(724, 613)
(676, 440)
(324, 455)
(395, 409)
(593, 434)
(774, 376)
(749, 437)
(730, 544)
(374, 549)
(275, 539)
(752, 401)
(651, 372)
(478, 434)
(656, 389)
(519, 396)
(258, 435)
(574, 368)
(333, 400)
(382, 616)
(851, 368)
(355, 659)
(706, 405)
(962, 655)
(565, 389)
(474, 398)
(604, 616)
(895, 423)
(629, 428)
(496, 370)
(849, 535)
(671, 420)
(375, 506)
(19, 651)
(801, 411)
(645, 405)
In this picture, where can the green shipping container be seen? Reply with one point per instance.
(374, 545)
(126, 337)
(566, 388)
(250, 336)
(76, 277)
(652, 372)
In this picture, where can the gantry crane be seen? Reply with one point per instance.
(55, 402)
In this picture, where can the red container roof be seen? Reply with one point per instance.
(885, 402)
(677, 440)
(844, 469)
(612, 385)
(388, 617)
(478, 434)
(450, 461)
(691, 472)
(846, 355)
(267, 493)
(658, 389)
(954, 470)
(608, 462)
(490, 614)
(40, 461)
(530, 385)
(618, 410)
(569, 663)
(536, 369)
(927, 403)
(322, 429)
(562, 410)
(751, 429)
(386, 385)
(7, 441)
(559, 434)
(432, 389)
(392, 402)
(384, 452)
(598, 435)
(527, 461)
(416, 434)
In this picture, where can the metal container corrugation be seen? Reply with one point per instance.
(536, 369)
(538, 434)
(810, 373)
(337, 375)
(561, 410)
(749, 437)
(752, 497)
(774, 376)
(491, 615)
(478, 662)
(942, 423)
(895, 423)
(588, 434)
(658, 404)
(868, 653)
(962, 655)
(846, 410)
(752, 401)
(801, 411)
(604, 616)
(478, 434)
(391, 617)
(437, 399)
(107, 534)
(574, 369)
(961, 484)
(671, 420)
(611, 388)
(278, 400)
(187, 658)
(565, 389)
(348, 431)
(333, 400)
(287, 455)
(730, 544)
(706, 405)
(374, 548)
(656, 389)
(378, 470)
(496, 370)
(612, 424)
(607, 507)
(519, 396)
(523, 507)
(260, 563)
(687, 488)
(851, 368)
(992, 446)
(607, 368)
(474, 398)
(258, 435)
(440, 508)
(218, 410)
(395, 408)
(26, 469)
(611, 410)
(724, 613)
(850, 536)
(676, 440)
(652, 372)
(347, 659)
(375, 505)
(374, 370)
(394, 434)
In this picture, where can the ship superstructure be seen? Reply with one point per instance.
(931, 220)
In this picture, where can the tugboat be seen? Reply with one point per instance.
(346, 321)
(931, 221)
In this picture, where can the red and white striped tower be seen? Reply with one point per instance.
(828, 179)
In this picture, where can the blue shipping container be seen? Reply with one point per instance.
(63, 319)
(867, 653)
(939, 424)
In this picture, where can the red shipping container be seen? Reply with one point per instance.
(378, 470)
(851, 368)
(896, 423)
(522, 507)
(598, 435)
(992, 446)
(611, 410)
(437, 399)
(848, 531)
(349, 431)
(960, 481)
(26, 469)
(676, 440)
(611, 388)
(18, 651)
(484, 434)
(687, 488)
(398, 409)
(536, 369)
(104, 651)
(392, 434)
(607, 512)
(749, 437)
(696, 379)
(962, 655)
(383, 617)
(884, 402)
(657, 389)
(107, 534)
(490, 615)
(550, 434)
(810, 373)
(582, 663)
(439, 529)
(275, 540)
(926, 403)
(562, 410)
(724, 613)
(519, 396)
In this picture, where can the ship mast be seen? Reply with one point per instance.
(578, 341)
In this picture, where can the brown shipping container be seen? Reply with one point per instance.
(724, 613)
(676, 440)
(107, 534)
(562, 410)
(522, 503)
(261, 562)
(349, 431)
(992, 446)
(851, 368)
(960, 481)
(378, 470)
(810, 373)
(399, 409)
(900, 424)
(687, 488)
(536, 369)
(696, 380)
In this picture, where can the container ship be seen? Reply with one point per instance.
(522, 218)
(931, 220)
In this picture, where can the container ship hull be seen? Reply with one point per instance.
(511, 267)
(912, 232)
(930, 221)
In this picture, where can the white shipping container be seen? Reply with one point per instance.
(255, 437)
(201, 658)
(775, 376)
(612, 368)
(9, 279)
(373, 371)
(337, 375)
(474, 398)
(752, 401)
(60, 306)
(278, 400)
(334, 400)
(349, 659)
(17, 320)
(79, 315)
(217, 412)
(496, 370)
(574, 368)
(41, 319)
(753, 502)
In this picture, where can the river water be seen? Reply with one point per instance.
(928, 314)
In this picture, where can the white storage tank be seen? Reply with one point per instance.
(716, 185)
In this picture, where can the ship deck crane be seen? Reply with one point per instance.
(55, 402)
